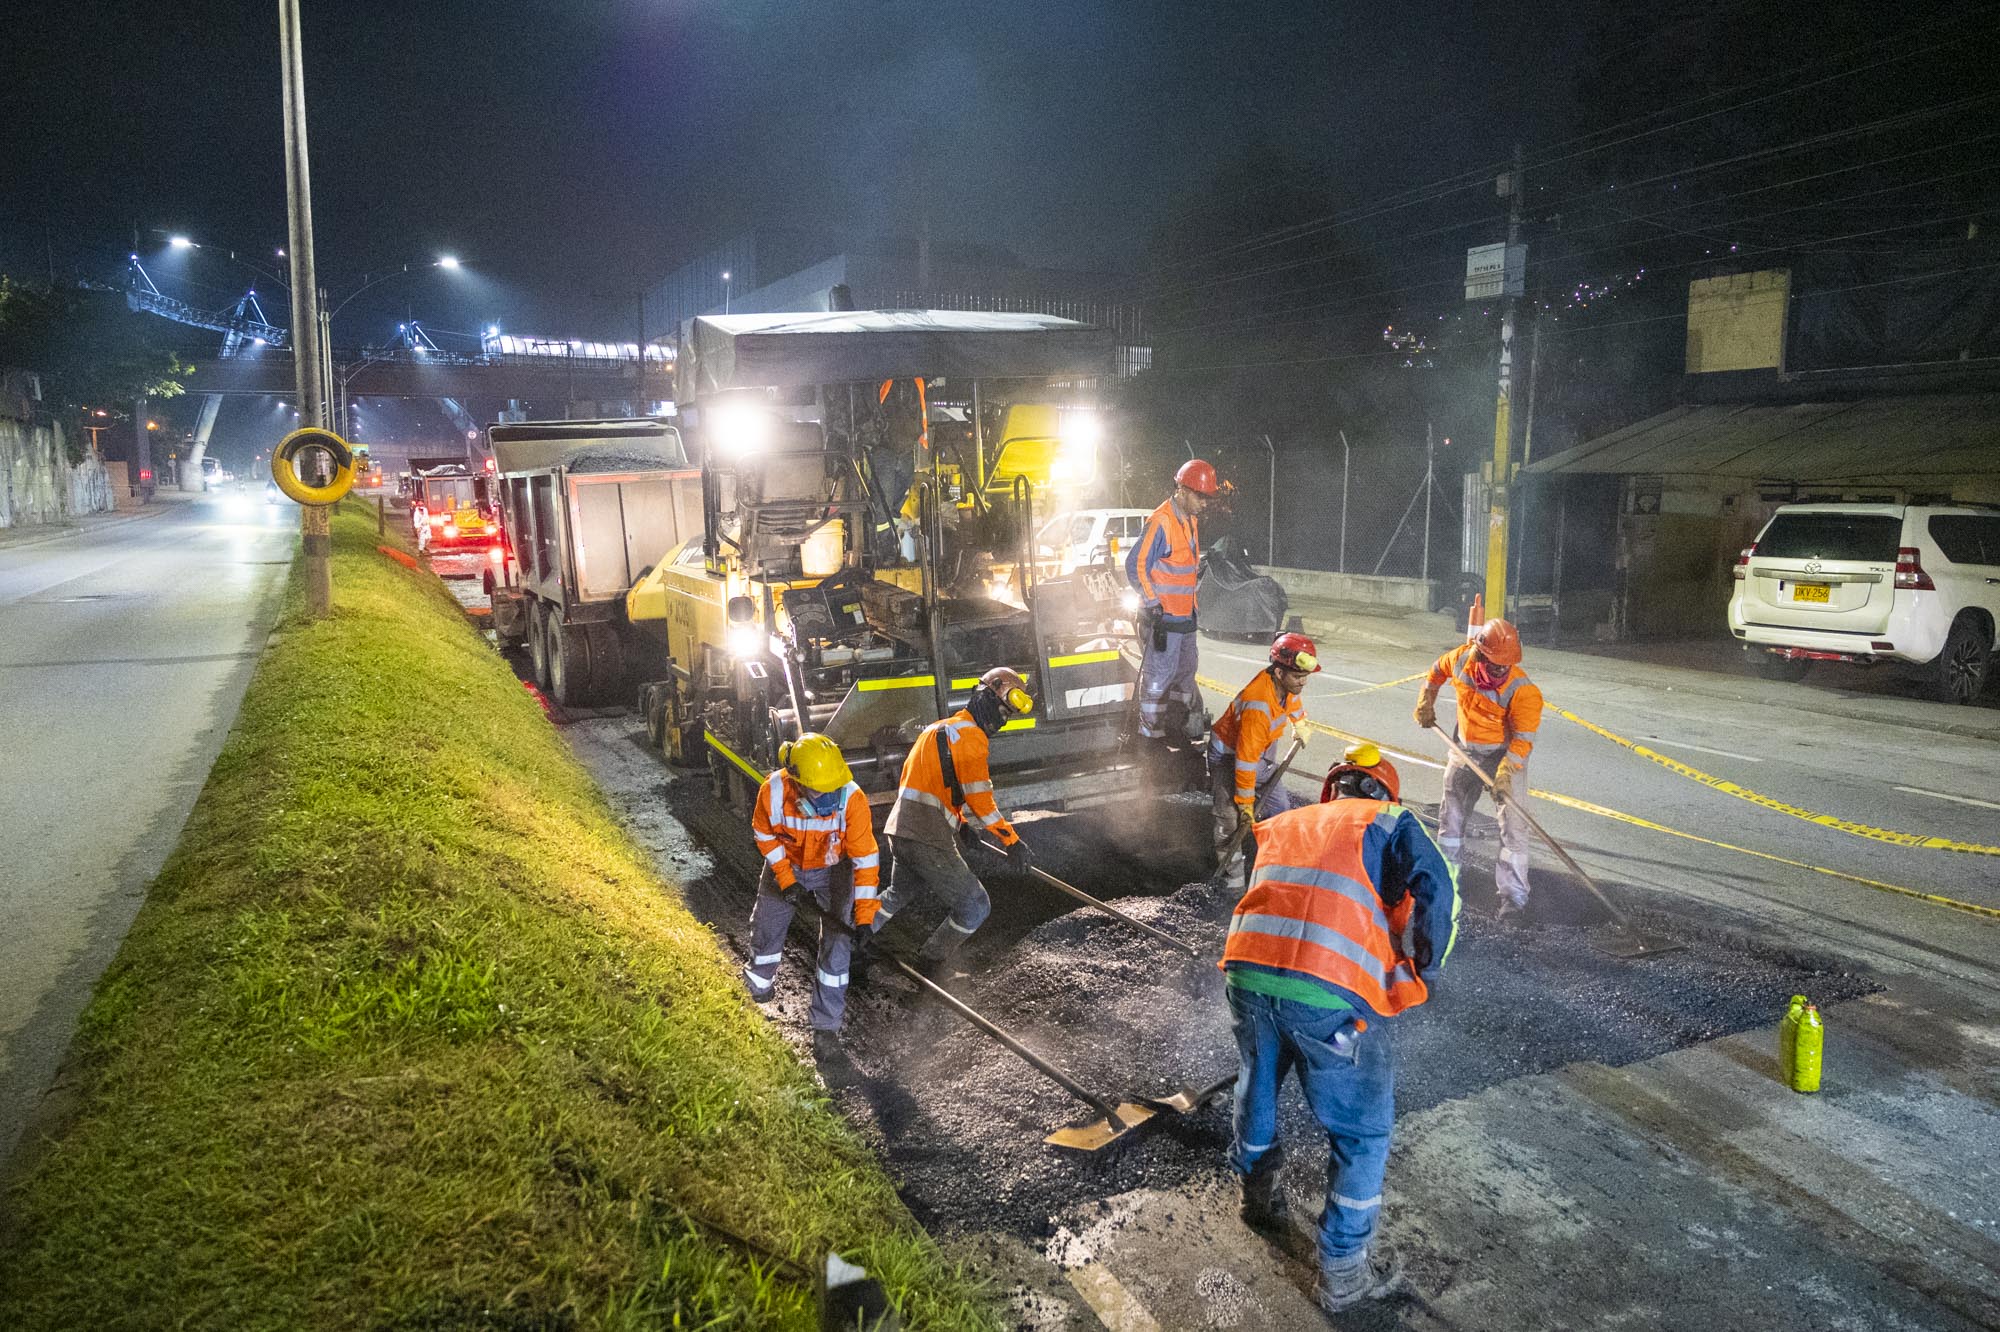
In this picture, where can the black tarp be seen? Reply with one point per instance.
(1934, 303)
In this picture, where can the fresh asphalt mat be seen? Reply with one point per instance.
(960, 1120)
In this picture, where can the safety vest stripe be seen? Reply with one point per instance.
(871, 859)
(775, 856)
(1244, 705)
(1354, 890)
(917, 797)
(970, 787)
(1250, 766)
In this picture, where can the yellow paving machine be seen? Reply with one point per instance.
(848, 580)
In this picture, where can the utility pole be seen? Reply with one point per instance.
(1503, 411)
(307, 366)
(1346, 456)
(1430, 452)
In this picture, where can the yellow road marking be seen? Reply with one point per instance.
(1107, 1297)
(1730, 788)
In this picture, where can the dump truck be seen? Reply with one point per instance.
(451, 508)
(834, 583)
(587, 508)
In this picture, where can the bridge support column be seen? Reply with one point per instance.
(191, 471)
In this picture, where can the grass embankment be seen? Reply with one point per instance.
(409, 1034)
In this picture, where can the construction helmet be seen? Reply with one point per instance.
(1295, 652)
(816, 761)
(1499, 642)
(1364, 774)
(1197, 476)
(1008, 686)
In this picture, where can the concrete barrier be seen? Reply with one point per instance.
(1359, 589)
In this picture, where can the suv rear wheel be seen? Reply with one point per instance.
(1959, 673)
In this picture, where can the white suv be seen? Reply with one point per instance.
(1089, 536)
(1874, 582)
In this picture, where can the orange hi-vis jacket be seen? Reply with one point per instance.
(793, 836)
(1166, 562)
(1253, 727)
(923, 810)
(1509, 715)
(1336, 887)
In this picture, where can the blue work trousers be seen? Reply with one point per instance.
(1166, 674)
(1349, 1079)
(832, 891)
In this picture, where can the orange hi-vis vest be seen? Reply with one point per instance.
(1168, 563)
(1509, 715)
(1312, 907)
(924, 811)
(793, 836)
(1253, 727)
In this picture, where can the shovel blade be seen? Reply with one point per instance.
(1101, 1133)
(1190, 1099)
(1628, 943)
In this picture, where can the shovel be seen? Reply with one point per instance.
(1619, 939)
(1101, 905)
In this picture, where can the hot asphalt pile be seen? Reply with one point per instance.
(961, 1120)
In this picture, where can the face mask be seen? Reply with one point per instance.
(823, 802)
(987, 710)
(1487, 674)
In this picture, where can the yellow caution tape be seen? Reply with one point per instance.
(1606, 812)
(1727, 787)
(1386, 684)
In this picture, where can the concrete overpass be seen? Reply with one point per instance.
(403, 374)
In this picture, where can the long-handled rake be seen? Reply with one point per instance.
(1618, 939)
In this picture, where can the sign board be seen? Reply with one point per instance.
(1495, 270)
(1738, 322)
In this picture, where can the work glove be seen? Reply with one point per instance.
(1019, 856)
(1245, 818)
(1427, 712)
(968, 835)
(864, 911)
(1503, 780)
(786, 885)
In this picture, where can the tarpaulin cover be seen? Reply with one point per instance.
(586, 446)
(1935, 304)
(1233, 598)
(720, 352)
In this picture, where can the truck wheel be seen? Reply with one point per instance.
(654, 709)
(1959, 673)
(607, 663)
(538, 644)
(569, 664)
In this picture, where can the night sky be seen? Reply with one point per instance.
(572, 153)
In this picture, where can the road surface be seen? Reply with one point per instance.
(124, 651)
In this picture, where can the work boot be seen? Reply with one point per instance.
(1263, 1202)
(826, 1047)
(1510, 910)
(1372, 1274)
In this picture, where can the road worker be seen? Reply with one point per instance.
(1499, 710)
(1164, 565)
(1248, 743)
(1317, 964)
(813, 826)
(947, 794)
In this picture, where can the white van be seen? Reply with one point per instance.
(1916, 583)
(1088, 536)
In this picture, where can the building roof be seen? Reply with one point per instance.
(1880, 439)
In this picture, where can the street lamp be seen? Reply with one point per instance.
(181, 243)
(447, 261)
(725, 291)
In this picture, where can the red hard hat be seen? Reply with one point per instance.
(1499, 642)
(1197, 476)
(1367, 760)
(1295, 652)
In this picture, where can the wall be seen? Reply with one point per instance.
(1362, 589)
(37, 482)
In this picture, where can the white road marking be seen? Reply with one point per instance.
(1955, 799)
(1682, 744)
(1107, 1297)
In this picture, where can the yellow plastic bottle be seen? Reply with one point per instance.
(1807, 1050)
(1788, 1034)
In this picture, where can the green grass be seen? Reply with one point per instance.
(410, 1035)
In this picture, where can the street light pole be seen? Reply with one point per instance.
(1345, 456)
(306, 342)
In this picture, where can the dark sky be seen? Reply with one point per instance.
(571, 153)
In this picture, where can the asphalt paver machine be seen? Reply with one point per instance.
(840, 586)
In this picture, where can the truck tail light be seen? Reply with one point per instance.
(1743, 560)
(497, 554)
(1910, 573)
(451, 529)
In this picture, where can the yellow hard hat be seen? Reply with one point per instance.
(816, 761)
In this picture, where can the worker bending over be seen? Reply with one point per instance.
(946, 792)
(1499, 710)
(816, 833)
(1316, 965)
(1164, 564)
(1247, 745)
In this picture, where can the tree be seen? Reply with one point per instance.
(87, 346)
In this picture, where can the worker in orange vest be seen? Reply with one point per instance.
(1164, 565)
(946, 794)
(1248, 742)
(1316, 963)
(1499, 711)
(817, 836)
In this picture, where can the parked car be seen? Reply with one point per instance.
(1869, 583)
(1088, 536)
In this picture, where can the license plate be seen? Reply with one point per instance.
(1819, 592)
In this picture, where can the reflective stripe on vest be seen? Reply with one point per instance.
(1175, 574)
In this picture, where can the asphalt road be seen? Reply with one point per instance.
(124, 652)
